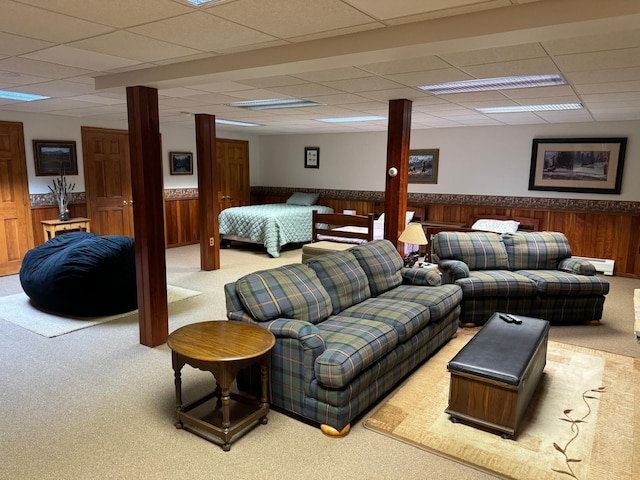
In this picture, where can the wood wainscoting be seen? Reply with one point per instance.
(595, 229)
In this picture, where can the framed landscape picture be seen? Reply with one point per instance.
(423, 165)
(586, 165)
(54, 157)
(181, 163)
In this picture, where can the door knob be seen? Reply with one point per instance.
(124, 203)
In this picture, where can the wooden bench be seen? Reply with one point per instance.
(495, 375)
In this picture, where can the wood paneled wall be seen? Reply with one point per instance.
(591, 234)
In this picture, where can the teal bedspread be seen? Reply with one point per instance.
(272, 225)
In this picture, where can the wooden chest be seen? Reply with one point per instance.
(495, 375)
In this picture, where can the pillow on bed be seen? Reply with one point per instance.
(408, 217)
(301, 198)
(497, 226)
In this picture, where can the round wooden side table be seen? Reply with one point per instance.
(222, 348)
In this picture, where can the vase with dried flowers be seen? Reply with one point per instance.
(61, 190)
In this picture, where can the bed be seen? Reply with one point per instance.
(271, 225)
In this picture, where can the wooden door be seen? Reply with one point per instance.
(232, 179)
(107, 174)
(16, 232)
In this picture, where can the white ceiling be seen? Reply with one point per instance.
(351, 55)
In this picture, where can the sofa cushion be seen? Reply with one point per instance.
(351, 347)
(342, 277)
(557, 283)
(382, 264)
(439, 300)
(479, 250)
(405, 317)
(291, 291)
(536, 250)
(497, 283)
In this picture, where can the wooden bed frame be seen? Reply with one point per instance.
(336, 220)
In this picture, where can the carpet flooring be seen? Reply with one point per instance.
(19, 310)
(583, 421)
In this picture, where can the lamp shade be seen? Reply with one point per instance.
(413, 234)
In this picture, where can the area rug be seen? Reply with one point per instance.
(583, 422)
(19, 310)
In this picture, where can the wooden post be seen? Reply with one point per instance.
(208, 207)
(395, 195)
(148, 214)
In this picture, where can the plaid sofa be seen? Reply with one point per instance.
(531, 274)
(348, 325)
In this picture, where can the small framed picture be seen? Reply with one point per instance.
(311, 157)
(423, 165)
(181, 163)
(55, 157)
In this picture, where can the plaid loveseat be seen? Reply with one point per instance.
(531, 274)
(348, 326)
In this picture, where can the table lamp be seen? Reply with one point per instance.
(414, 235)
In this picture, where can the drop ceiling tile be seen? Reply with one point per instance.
(75, 57)
(366, 84)
(302, 91)
(187, 30)
(340, 99)
(518, 67)
(495, 55)
(419, 64)
(614, 87)
(431, 77)
(628, 57)
(178, 92)
(302, 18)
(116, 13)
(101, 99)
(395, 93)
(567, 116)
(275, 81)
(256, 94)
(89, 111)
(51, 105)
(137, 47)
(41, 69)
(322, 76)
(612, 97)
(593, 43)
(36, 23)
(221, 87)
(603, 76)
(521, 93)
(384, 9)
(336, 32)
(58, 88)
(12, 45)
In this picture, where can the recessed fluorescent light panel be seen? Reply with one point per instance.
(502, 83)
(197, 3)
(532, 108)
(23, 97)
(236, 123)
(350, 119)
(274, 103)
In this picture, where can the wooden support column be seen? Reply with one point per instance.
(148, 214)
(208, 206)
(395, 195)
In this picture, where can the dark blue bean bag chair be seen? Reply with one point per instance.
(82, 274)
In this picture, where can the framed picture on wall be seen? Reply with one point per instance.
(311, 157)
(423, 165)
(586, 165)
(181, 163)
(54, 157)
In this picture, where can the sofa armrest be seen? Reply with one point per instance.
(306, 333)
(577, 266)
(453, 270)
(421, 276)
